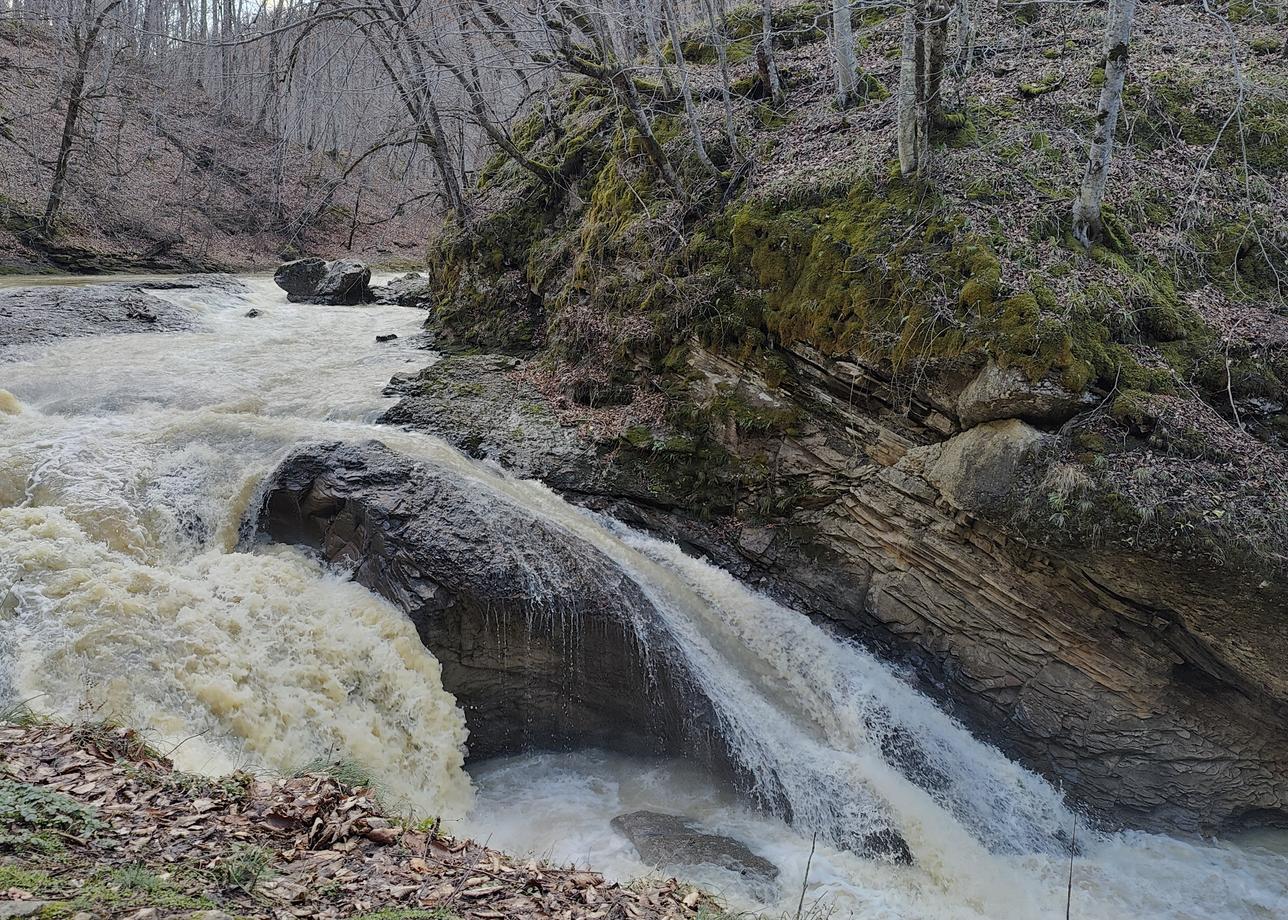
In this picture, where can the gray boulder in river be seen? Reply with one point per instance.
(313, 280)
(670, 840)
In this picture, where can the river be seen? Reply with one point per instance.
(127, 464)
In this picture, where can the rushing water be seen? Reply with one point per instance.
(126, 465)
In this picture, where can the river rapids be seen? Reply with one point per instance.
(127, 591)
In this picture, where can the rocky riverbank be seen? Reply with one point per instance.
(1048, 478)
(43, 312)
(94, 824)
(1145, 684)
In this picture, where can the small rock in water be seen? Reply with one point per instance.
(887, 844)
(670, 840)
(386, 338)
(251, 314)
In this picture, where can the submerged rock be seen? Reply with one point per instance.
(314, 280)
(664, 841)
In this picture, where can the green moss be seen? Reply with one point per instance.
(840, 276)
(36, 881)
(1179, 105)
(112, 892)
(1267, 44)
(1047, 83)
(794, 27)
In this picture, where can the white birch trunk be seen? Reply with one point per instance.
(1088, 225)
(843, 41)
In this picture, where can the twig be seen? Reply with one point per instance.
(805, 881)
(1073, 848)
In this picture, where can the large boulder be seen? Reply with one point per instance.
(409, 290)
(670, 841)
(535, 629)
(313, 280)
(1006, 392)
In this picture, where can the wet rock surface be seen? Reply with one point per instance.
(534, 628)
(313, 280)
(546, 642)
(409, 290)
(1148, 687)
(666, 841)
(43, 312)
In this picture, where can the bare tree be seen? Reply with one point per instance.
(921, 72)
(85, 33)
(843, 53)
(765, 61)
(1088, 224)
(682, 69)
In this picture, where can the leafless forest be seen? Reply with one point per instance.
(316, 104)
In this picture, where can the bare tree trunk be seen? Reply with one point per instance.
(909, 155)
(84, 46)
(765, 55)
(655, 49)
(936, 40)
(718, 37)
(964, 26)
(843, 43)
(690, 110)
(1088, 225)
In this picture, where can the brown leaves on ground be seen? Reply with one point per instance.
(304, 846)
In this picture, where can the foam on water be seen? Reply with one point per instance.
(126, 465)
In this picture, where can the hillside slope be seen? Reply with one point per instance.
(159, 181)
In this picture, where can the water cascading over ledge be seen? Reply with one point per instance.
(550, 644)
(541, 640)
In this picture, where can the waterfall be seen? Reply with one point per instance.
(127, 464)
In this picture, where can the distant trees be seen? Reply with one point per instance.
(428, 88)
(1088, 224)
(85, 24)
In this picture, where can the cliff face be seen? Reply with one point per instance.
(1147, 686)
(1051, 478)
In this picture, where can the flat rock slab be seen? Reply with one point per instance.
(42, 313)
(671, 840)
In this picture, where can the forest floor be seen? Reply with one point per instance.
(159, 180)
(96, 824)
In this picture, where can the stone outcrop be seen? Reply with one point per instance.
(409, 290)
(42, 312)
(1150, 687)
(546, 642)
(533, 627)
(1005, 392)
(666, 841)
(344, 282)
